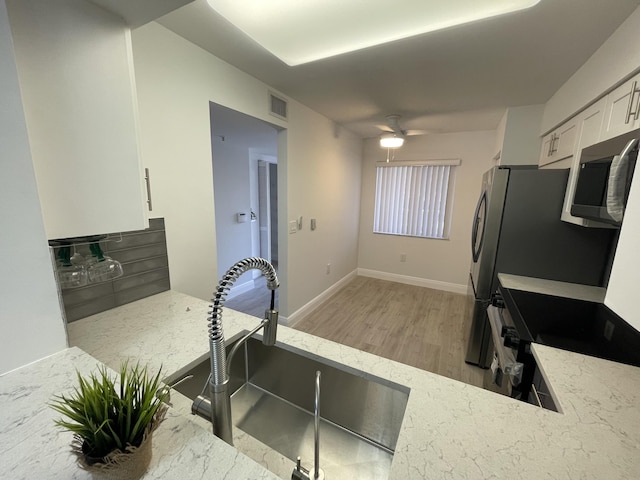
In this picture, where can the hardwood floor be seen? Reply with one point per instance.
(254, 302)
(417, 326)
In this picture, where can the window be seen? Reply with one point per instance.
(414, 199)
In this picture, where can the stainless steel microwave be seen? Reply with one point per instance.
(604, 179)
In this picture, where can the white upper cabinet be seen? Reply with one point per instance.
(622, 112)
(559, 144)
(76, 78)
(590, 125)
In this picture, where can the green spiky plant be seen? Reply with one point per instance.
(106, 418)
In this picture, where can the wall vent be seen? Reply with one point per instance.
(277, 106)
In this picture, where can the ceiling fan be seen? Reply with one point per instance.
(393, 134)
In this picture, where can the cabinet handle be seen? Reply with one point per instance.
(147, 181)
(550, 151)
(630, 110)
(552, 145)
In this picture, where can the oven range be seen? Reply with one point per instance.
(519, 318)
(513, 366)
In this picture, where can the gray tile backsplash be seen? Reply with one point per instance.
(143, 255)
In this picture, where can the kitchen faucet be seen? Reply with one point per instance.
(220, 403)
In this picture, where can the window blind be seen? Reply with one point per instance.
(412, 200)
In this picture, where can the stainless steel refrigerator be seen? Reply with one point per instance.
(517, 229)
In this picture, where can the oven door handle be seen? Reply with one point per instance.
(536, 395)
(506, 358)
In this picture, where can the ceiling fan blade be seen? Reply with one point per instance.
(384, 128)
(411, 133)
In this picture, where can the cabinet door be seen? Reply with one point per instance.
(559, 144)
(545, 153)
(76, 78)
(588, 125)
(622, 112)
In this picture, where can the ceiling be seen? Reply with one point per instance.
(139, 12)
(457, 79)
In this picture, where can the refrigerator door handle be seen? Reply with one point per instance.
(476, 244)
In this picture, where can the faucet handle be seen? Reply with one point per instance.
(164, 392)
(299, 472)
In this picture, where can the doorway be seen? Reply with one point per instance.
(245, 182)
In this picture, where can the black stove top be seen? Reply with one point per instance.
(580, 326)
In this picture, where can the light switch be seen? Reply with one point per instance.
(313, 224)
(293, 226)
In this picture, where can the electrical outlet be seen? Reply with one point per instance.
(328, 268)
(403, 257)
(608, 330)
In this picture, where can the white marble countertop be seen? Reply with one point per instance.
(552, 287)
(32, 448)
(450, 430)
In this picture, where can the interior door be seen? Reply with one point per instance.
(264, 210)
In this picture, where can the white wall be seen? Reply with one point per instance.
(318, 168)
(616, 59)
(30, 319)
(622, 291)
(442, 264)
(521, 142)
(323, 182)
(175, 82)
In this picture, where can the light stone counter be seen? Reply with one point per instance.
(32, 448)
(552, 287)
(450, 430)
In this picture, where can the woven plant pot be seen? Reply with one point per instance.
(118, 465)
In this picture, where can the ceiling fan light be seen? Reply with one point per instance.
(391, 141)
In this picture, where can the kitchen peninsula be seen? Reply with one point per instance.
(450, 429)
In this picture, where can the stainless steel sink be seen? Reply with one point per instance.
(273, 401)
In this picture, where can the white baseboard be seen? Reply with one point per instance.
(241, 288)
(420, 282)
(310, 306)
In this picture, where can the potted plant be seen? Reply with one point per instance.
(113, 422)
